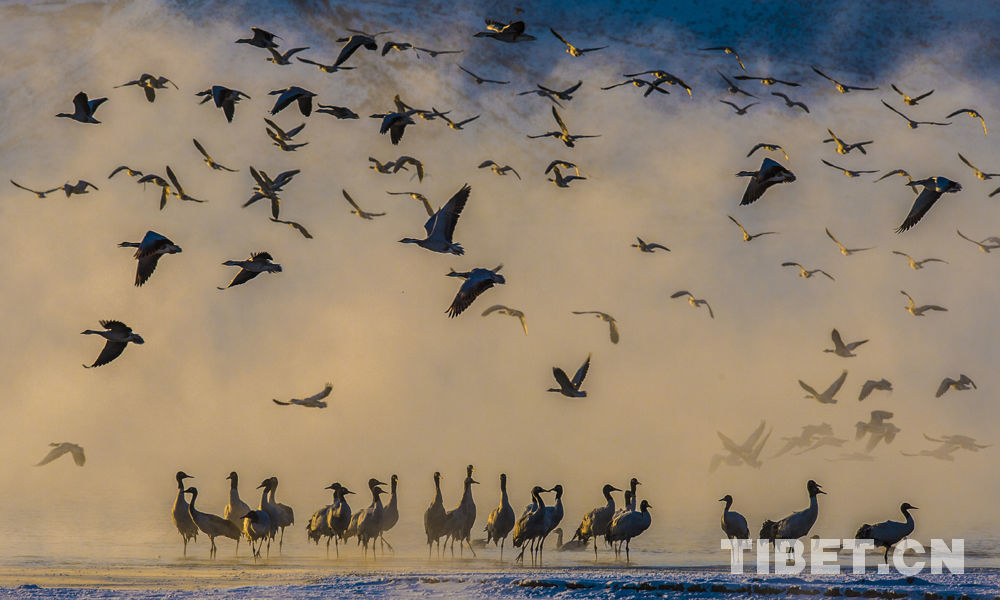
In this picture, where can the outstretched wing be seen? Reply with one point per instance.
(110, 352)
(581, 373)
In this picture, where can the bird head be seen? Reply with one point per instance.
(333, 486)
(137, 339)
(264, 484)
(181, 475)
(232, 476)
(726, 498)
(558, 489)
(906, 506)
(814, 488)
(644, 505)
(608, 488)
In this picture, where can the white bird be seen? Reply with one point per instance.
(797, 524)
(612, 323)
(571, 388)
(918, 311)
(918, 264)
(770, 173)
(840, 348)
(629, 525)
(695, 302)
(477, 281)
(827, 397)
(960, 384)
(148, 253)
(871, 385)
(211, 525)
(506, 310)
(734, 525)
(60, 448)
(182, 518)
(595, 523)
(118, 335)
(440, 227)
(314, 401)
(888, 533)
(500, 521)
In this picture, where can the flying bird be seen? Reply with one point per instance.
(510, 33)
(727, 50)
(769, 147)
(563, 134)
(961, 384)
(511, 312)
(847, 172)
(561, 180)
(351, 45)
(224, 98)
(972, 113)
(901, 173)
(908, 100)
(651, 86)
(436, 53)
(918, 264)
(283, 58)
(401, 162)
(296, 226)
(395, 123)
(149, 84)
(843, 147)
(573, 50)
(695, 302)
(260, 38)
(739, 111)
(918, 311)
(842, 88)
(78, 188)
(748, 237)
(477, 281)
(791, 103)
(770, 173)
(454, 125)
(356, 210)
(910, 122)
(496, 168)
(571, 388)
(828, 396)
(208, 159)
(662, 76)
(259, 262)
(118, 335)
(735, 89)
(766, 80)
(979, 174)
(934, 187)
(985, 246)
(842, 349)
(871, 385)
(419, 198)
(148, 253)
(178, 191)
(128, 170)
(314, 401)
(481, 80)
(43, 193)
(612, 323)
(84, 109)
(278, 132)
(805, 273)
(396, 47)
(562, 163)
(293, 94)
(648, 247)
(440, 227)
(844, 249)
(61, 448)
(323, 67)
(340, 112)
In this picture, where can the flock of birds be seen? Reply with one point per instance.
(529, 531)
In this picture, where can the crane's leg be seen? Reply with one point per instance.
(501, 547)
(237, 547)
(627, 559)
(328, 546)
(184, 537)
(386, 543)
(886, 555)
(281, 541)
(430, 550)
(471, 549)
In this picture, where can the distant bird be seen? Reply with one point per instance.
(510, 33)
(629, 525)
(395, 123)
(165, 191)
(573, 50)
(791, 103)
(918, 311)
(563, 134)
(842, 349)
(177, 190)
(844, 249)
(482, 80)
(419, 198)
(268, 188)
(380, 167)
(805, 438)
(455, 125)
(296, 226)
(182, 518)
(649, 247)
(60, 448)
(395, 46)
(402, 161)
(440, 227)
(260, 39)
(985, 246)
(351, 45)
(324, 68)
(356, 210)
(561, 180)
(208, 158)
(962, 383)
(843, 147)
(293, 94)
(566, 94)
(852, 456)
(314, 401)
(436, 53)
(842, 88)
(734, 525)
(748, 237)
(727, 50)
(805, 273)
(562, 163)
(84, 109)
(279, 133)
(770, 147)
(888, 533)
(972, 113)
(500, 521)
(695, 302)
(770, 173)
(908, 100)
(918, 264)
(960, 441)
(283, 58)
(910, 122)
(739, 111)
(283, 144)
(795, 525)
(571, 388)
(663, 77)
(149, 84)
(43, 193)
(766, 80)
(845, 171)
(981, 175)
(612, 323)
(224, 98)
(747, 453)
(735, 89)
(148, 253)
(118, 335)
(79, 188)
(496, 168)
(595, 523)
(259, 262)
(372, 35)
(211, 525)
(340, 112)
(477, 281)
(871, 385)
(828, 396)
(651, 86)
(512, 312)
(942, 452)
(934, 187)
(901, 173)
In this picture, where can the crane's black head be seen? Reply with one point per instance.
(394, 478)
(181, 475)
(266, 484)
(907, 506)
(645, 504)
(727, 498)
(468, 471)
(608, 488)
(233, 476)
(813, 488)
(333, 486)
(558, 489)
(503, 479)
(374, 482)
(437, 476)
(634, 482)
(191, 490)
(252, 516)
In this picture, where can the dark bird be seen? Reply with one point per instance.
(791, 103)
(871, 385)
(395, 123)
(571, 388)
(260, 39)
(934, 187)
(259, 262)
(734, 89)
(149, 84)
(476, 282)
(419, 198)
(293, 94)
(651, 86)
(766, 80)
(561, 180)
(842, 349)
(84, 109)
(224, 98)
(436, 53)
(440, 227)
(695, 302)
(315, 401)
(496, 168)
(985, 246)
(510, 33)
(901, 173)
(662, 76)
(395, 46)
(356, 210)
(827, 397)
(842, 88)
(401, 162)
(296, 226)
(283, 58)
(118, 335)
(148, 253)
(322, 67)
(341, 112)
(739, 111)
(208, 159)
(454, 125)
(981, 175)
(770, 173)
(910, 122)
(805, 273)
(843, 147)
(178, 191)
(847, 172)
(128, 170)
(611, 321)
(769, 147)
(648, 247)
(562, 163)
(351, 44)
(908, 100)
(563, 134)
(727, 50)
(481, 80)
(573, 50)
(961, 384)
(78, 188)
(42, 193)
(972, 113)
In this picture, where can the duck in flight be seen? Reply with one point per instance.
(208, 158)
(972, 113)
(511, 312)
(981, 175)
(648, 247)
(910, 122)
(695, 302)
(149, 84)
(805, 273)
(791, 103)
(844, 249)
(739, 111)
(842, 349)
(571, 388)
(934, 187)
(61, 448)
(769, 147)
(118, 335)
(440, 227)
(317, 400)
(259, 262)
(573, 50)
(918, 264)
(828, 396)
(770, 173)
(842, 88)
(908, 100)
(726, 50)
(847, 172)
(918, 311)
(563, 134)
(84, 109)
(612, 323)
(477, 281)
(748, 237)
(356, 210)
(481, 80)
(148, 253)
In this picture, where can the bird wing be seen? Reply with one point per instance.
(78, 456)
(886, 104)
(823, 75)
(110, 352)
(921, 205)
(174, 182)
(966, 161)
(447, 217)
(351, 200)
(836, 385)
(243, 276)
(808, 388)
(613, 327)
(53, 454)
(680, 293)
(966, 380)
(279, 402)
(297, 226)
(200, 148)
(867, 389)
(835, 241)
(494, 308)
(560, 38)
(562, 126)
(147, 264)
(837, 340)
(581, 373)
(467, 294)
(561, 378)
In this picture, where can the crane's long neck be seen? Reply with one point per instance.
(263, 499)
(909, 517)
(191, 509)
(180, 483)
(610, 501)
(729, 502)
(271, 496)
(504, 500)
(437, 492)
(467, 493)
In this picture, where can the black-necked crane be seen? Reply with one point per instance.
(80, 187)
(318, 525)
(236, 507)
(828, 396)
(964, 382)
(918, 264)
(394, 123)
(807, 273)
(256, 528)
(61, 448)
(477, 281)
(530, 527)
(553, 514)
(440, 227)
(148, 253)
(212, 525)
(268, 506)
(734, 525)
(918, 311)
(501, 519)
(571, 388)
(888, 533)
(770, 173)
(454, 125)
(118, 335)
(328, 69)
(434, 517)
(511, 312)
(182, 518)
(338, 517)
(369, 520)
(629, 525)
(259, 262)
(285, 514)
(662, 76)
(651, 86)
(695, 302)
(390, 514)
(422, 199)
(797, 524)
(840, 348)
(983, 176)
(459, 520)
(595, 523)
(84, 109)
(734, 89)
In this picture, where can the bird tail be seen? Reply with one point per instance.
(768, 530)
(864, 532)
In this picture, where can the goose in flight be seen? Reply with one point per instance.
(259, 262)
(43, 193)
(739, 111)
(177, 190)
(571, 388)
(118, 335)
(511, 312)
(283, 58)
(296, 226)
(481, 80)
(733, 88)
(371, 35)
(148, 253)
(84, 109)
(612, 323)
(695, 302)
(454, 125)
(847, 172)
(985, 246)
(477, 281)
(651, 86)
(908, 100)
(979, 174)
(748, 237)
(208, 159)
(961, 441)
(351, 45)
(356, 210)
(842, 88)
(60, 448)
(566, 94)
(727, 50)
(934, 187)
(293, 94)
(942, 452)
(972, 113)
(563, 134)
(394, 123)
(871, 385)
(282, 144)
(747, 453)
(842, 349)
(805, 273)
(160, 181)
(323, 67)
(770, 173)
(396, 47)
(901, 173)
(340, 112)
(797, 524)
(496, 168)
(562, 163)
(961, 384)
(805, 438)
(844, 249)
(269, 188)
(260, 38)
(888, 533)
(663, 77)
(80, 187)
(561, 180)
(277, 132)
(149, 84)
(910, 122)
(435, 53)
(766, 80)
(510, 33)
(918, 311)
(648, 247)
(317, 400)
(573, 50)
(827, 397)
(401, 162)
(918, 264)
(419, 198)
(843, 147)
(440, 227)
(769, 147)
(791, 103)
(382, 167)
(224, 98)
